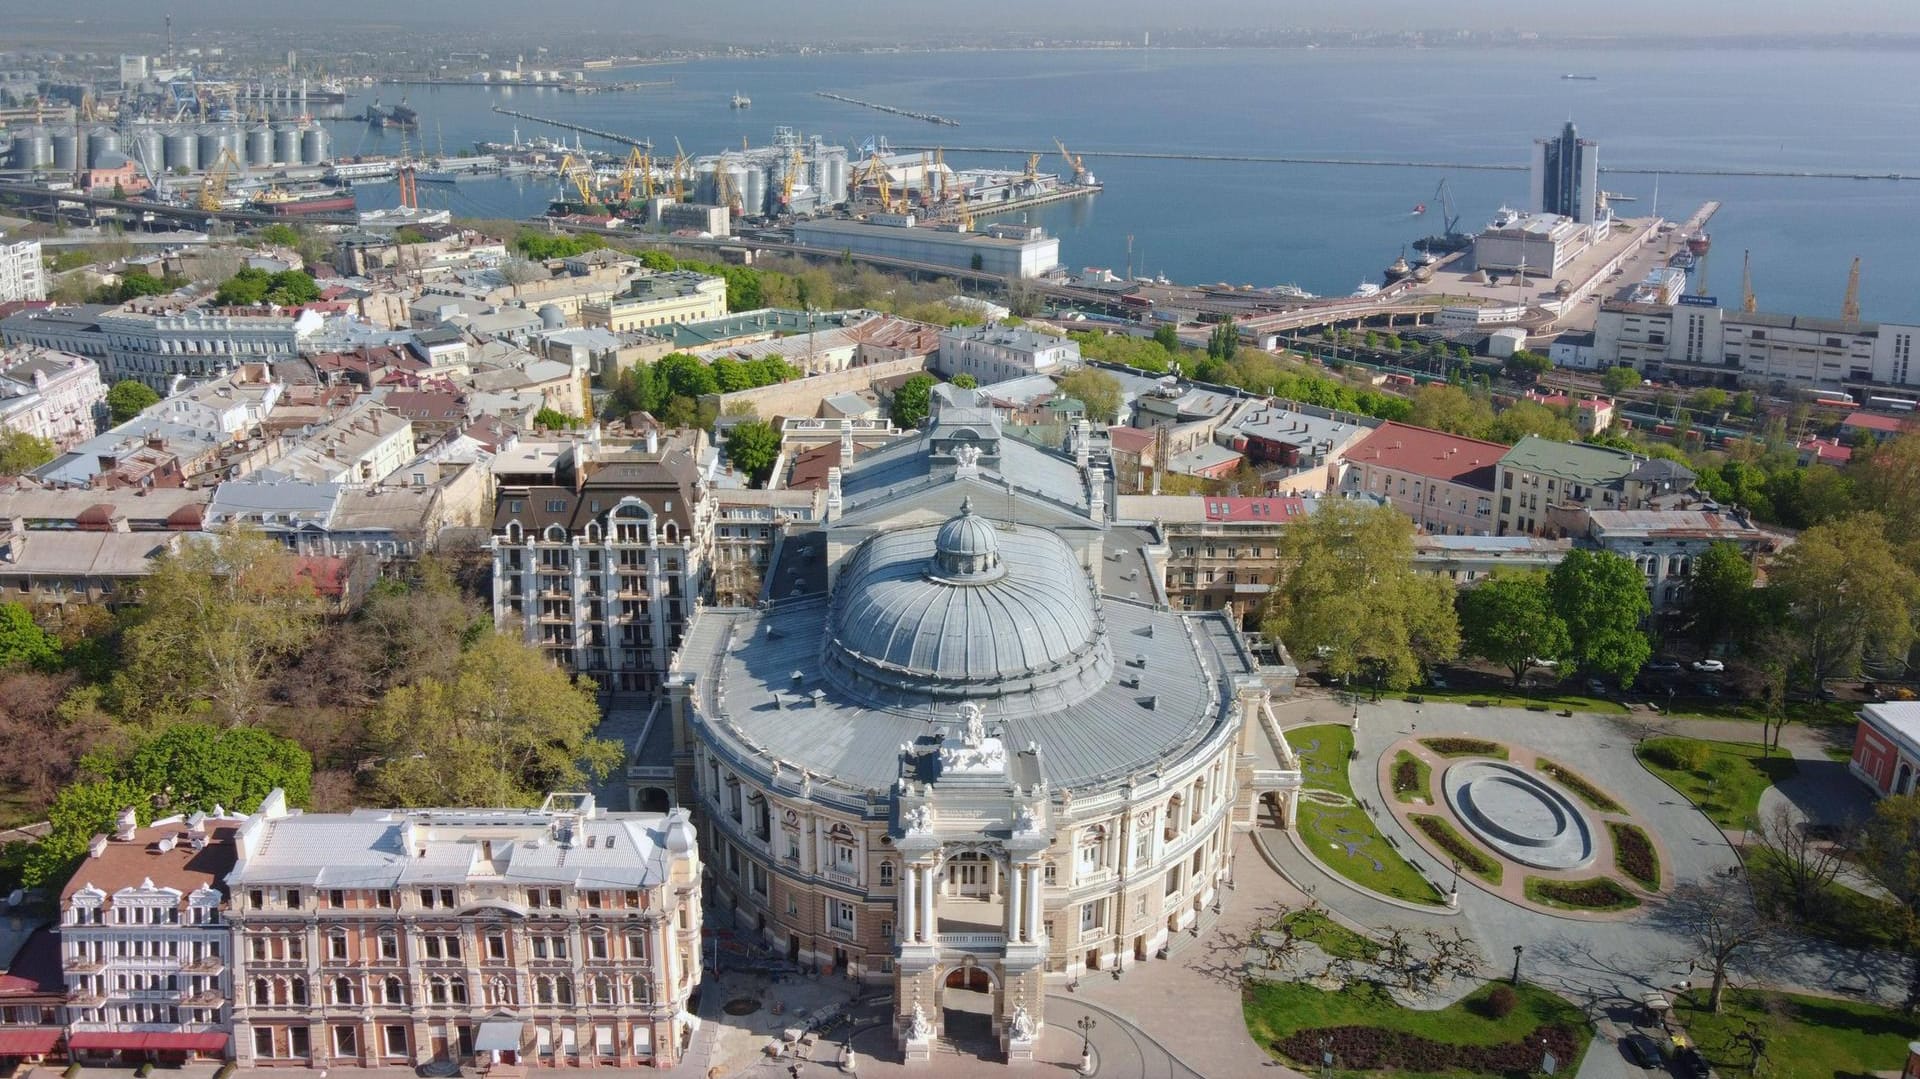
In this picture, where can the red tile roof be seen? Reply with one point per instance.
(126, 864)
(1130, 439)
(1263, 510)
(1437, 455)
(1873, 421)
(809, 472)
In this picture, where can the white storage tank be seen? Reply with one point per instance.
(259, 146)
(182, 149)
(286, 145)
(315, 146)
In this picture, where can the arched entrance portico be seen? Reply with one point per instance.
(968, 998)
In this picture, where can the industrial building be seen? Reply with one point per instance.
(1706, 343)
(795, 174)
(1007, 250)
(1565, 177)
(1534, 243)
(165, 148)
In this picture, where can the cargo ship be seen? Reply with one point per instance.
(401, 117)
(301, 201)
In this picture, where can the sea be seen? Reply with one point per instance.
(1324, 228)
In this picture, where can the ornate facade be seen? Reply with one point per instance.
(969, 747)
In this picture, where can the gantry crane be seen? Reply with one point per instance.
(578, 174)
(213, 186)
(723, 189)
(632, 171)
(1032, 174)
(1078, 166)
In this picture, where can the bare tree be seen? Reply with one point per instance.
(1797, 862)
(1721, 921)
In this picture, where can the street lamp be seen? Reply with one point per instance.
(1086, 1024)
(1517, 949)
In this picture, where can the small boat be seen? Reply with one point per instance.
(742, 101)
(1582, 78)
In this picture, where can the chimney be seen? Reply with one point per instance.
(97, 846)
(166, 845)
(125, 824)
(833, 492)
(846, 441)
(1097, 497)
(1082, 442)
(653, 440)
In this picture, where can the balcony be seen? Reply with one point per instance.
(206, 964)
(971, 942)
(85, 965)
(85, 997)
(202, 997)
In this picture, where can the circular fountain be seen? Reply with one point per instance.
(1519, 814)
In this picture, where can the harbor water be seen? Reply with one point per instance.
(1325, 228)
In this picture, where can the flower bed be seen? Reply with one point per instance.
(1578, 784)
(1471, 858)
(1599, 893)
(1410, 775)
(1633, 854)
(1465, 747)
(1373, 1048)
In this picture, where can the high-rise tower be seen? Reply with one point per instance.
(1566, 176)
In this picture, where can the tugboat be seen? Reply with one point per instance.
(1398, 269)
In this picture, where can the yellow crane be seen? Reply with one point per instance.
(636, 172)
(1032, 174)
(213, 186)
(723, 189)
(577, 174)
(1078, 166)
(677, 186)
(1747, 301)
(794, 165)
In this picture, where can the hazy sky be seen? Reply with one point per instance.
(759, 20)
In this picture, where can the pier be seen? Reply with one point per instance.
(929, 117)
(1369, 162)
(610, 136)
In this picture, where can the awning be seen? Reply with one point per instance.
(498, 1036)
(148, 1041)
(28, 1041)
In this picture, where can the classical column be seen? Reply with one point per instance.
(927, 925)
(1034, 905)
(1015, 916)
(908, 924)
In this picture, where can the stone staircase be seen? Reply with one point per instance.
(1188, 937)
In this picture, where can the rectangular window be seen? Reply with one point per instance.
(384, 898)
(389, 946)
(396, 1040)
(337, 898)
(293, 899)
(496, 946)
(344, 1042)
(256, 899)
(426, 898)
(297, 1045)
(263, 1041)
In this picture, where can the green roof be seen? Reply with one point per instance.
(1580, 462)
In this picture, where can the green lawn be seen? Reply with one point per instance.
(1344, 838)
(1511, 698)
(1807, 1037)
(1420, 789)
(1729, 780)
(1840, 914)
(1595, 893)
(1332, 938)
(1811, 713)
(1276, 1011)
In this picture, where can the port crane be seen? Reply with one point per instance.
(213, 187)
(1747, 302)
(677, 189)
(638, 170)
(577, 174)
(1078, 165)
(1850, 306)
(794, 165)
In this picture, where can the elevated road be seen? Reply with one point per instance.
(42, 196)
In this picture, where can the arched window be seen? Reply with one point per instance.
(457, 989)
(886, 873)
(543, 990)
(641, 992)
(396, 991)
(343, 991)
(261, 994)
(602, 989)
(1093, 844)
(279, 990)
(299, 986)
(437, 990)
(563, 989)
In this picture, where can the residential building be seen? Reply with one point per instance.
(1221, 553)
(560, 936)
(1878, 426)
(57, 396)
(1710, 344)
(749, 527)
(603, 570)
(1297, 446)
(1565, 176)
(1539, 475)
(1591, 413)
(1886, 747)
(21, 275)
(145, 945)
(1665, 543)
(360, 448)
(1468, 560)
(51, 569)
(1574, 350)
(1444, 482)
(994, 352)
(33, 1001)
(158, 343)
(660, 299)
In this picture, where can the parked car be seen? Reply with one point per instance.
(1709, 666)
(1640, 1049)
(1549, 664)
(1689, 1063)
(1663, 666)
(1597, 687)
(1708, 689)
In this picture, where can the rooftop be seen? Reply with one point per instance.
(1581, 462)
(162, 853)
(1422, 451)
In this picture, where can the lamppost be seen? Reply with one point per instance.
(1453, 896)
(1086, 1024)
(1517, 949)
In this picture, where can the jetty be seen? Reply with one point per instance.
(929, 117)
(598, 133)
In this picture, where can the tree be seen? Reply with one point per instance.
(1096, 389)
(244, 289)
(1167, 336)
(196, 766)
(1602, 597)
(1719, 594)
(1346, 584)
(679, 374)
(1523, 418)
(966, 381)
(1794, 864)
(912, 401)
(1524, 366)
(216, 617)
(1223, 342)
(1890, 854)
(137, 283)
(278, 235)
(505, 729)
(23, 644)
(553, 419)
(1847, 595)
(1888, 479)
(128, 398)
(1510, 620)
(1722, 923)
(1710, 400)
(1618, 380)
(753, 447)
(290, 288)
(1451, 409)
(82, 811)
(21, 453)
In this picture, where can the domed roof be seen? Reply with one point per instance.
(967, 610)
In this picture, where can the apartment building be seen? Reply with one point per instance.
(661, 299)
(1220, 552)
(602, 567)
(560, 936)
(21, 275)
(1444, 482)
(1539, 475)
(57, 396)
(996, 353)
(144, 942)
